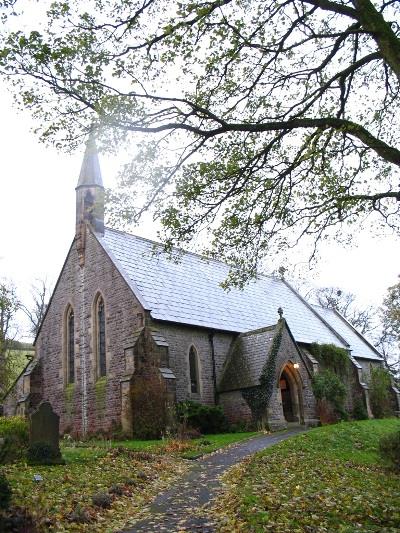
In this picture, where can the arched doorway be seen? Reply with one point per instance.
(291, 394)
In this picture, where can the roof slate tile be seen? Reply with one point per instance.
(189, 292)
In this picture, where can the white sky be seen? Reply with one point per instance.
(37, 217)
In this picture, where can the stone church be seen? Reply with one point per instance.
(121, 306)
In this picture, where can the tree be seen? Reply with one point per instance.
(40, 292)
(363, 319)
(272, 122)
(9, 305)
(389, 341)
(381, 326)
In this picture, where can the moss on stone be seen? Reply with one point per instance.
(69, 398)
(100, 393)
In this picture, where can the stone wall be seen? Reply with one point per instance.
(180, 338)
(237, 409)
(367, 365)
(90, 404)
(288, 353)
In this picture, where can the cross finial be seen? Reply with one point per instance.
(280, 312)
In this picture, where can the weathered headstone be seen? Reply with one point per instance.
(44, 430)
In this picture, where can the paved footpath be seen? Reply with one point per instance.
(180, 508)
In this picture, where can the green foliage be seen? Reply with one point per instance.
(21, 346)
(43, 453)
(258, 398)
(15, 362)
(389, 449)
(391, 311)
(259, 130)
(359, 410)
(206, 418)
(331, 357)
(379, 392)
(9, 305)
(5, 491)
(16, 426)
(328, 479)
(15, 432)
(327, 386)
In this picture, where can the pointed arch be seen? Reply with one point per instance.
(194, 370)
(69, 343)
(99, 337)
(291, 386)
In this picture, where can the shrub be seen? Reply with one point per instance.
(327, 387)
(359, 410)
(207, 419)
(14, 430)
(379, 392)
(43, 453)
(389, 449)
(102, 499)
(5, 492)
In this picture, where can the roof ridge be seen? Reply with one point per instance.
(196, 254)
(358, 333)
(321, 318)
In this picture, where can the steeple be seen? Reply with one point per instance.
(90, 174)
(90, 192)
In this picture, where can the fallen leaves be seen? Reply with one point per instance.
(314, 482)
(62, 502)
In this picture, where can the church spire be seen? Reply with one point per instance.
(90, 174)
(90, 192)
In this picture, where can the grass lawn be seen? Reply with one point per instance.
(187, 449)
(63, 500)
(135, 471)
(329, 479)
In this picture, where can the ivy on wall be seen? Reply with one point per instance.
(258, 398)
(379, 391)
(329, 384)
(331, 357)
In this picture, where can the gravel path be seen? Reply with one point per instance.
(180, 508)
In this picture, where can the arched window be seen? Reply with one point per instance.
(101, 337)
(70, 346)
(194, 371)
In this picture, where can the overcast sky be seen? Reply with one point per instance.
(37, 217)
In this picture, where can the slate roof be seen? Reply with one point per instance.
(246, 360)
(359, 346)
(189, 292)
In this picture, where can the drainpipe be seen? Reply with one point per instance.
(211, 340)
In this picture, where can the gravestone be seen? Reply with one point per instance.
(44, 430)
